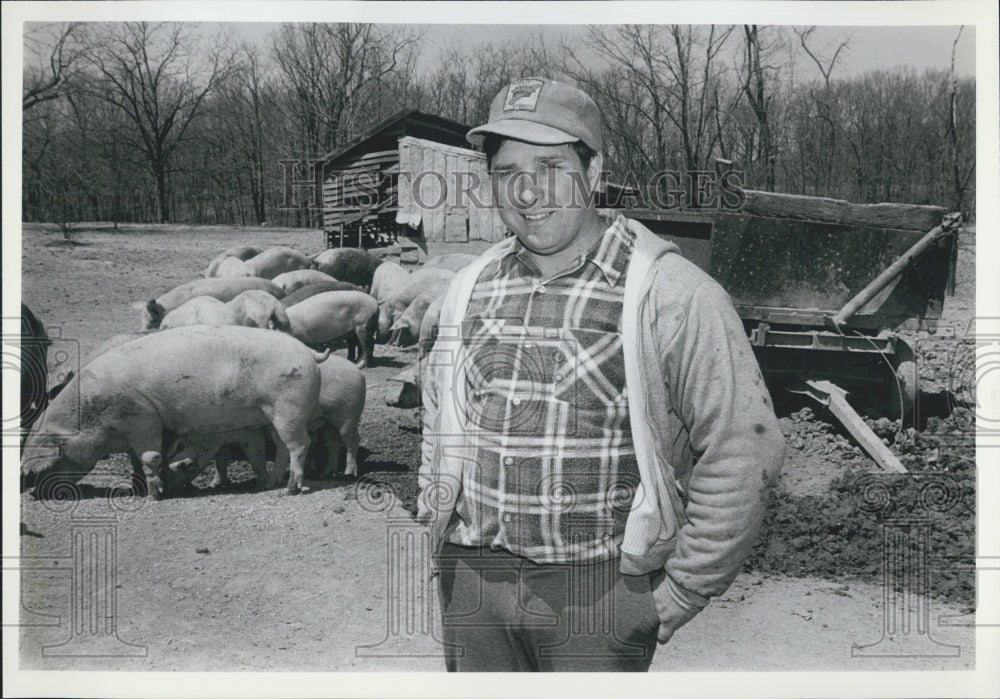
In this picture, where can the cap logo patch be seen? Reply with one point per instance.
(522, 95)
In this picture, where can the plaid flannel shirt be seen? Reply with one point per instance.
(546, 399)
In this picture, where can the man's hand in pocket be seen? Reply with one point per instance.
(672, 615)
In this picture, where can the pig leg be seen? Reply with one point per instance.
(221, 479)
(281, 459)
(366, 341)
(152, 464)
(257, 456)
(139, 484)
(295, 437)
(332, 440)
(352, 347)
(145, 437)
(351, 438)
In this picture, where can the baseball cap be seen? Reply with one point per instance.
(539, 110)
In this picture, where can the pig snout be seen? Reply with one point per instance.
(408, 397)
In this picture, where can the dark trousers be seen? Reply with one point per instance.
(501, 612)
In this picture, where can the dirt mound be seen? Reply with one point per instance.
(927, 514)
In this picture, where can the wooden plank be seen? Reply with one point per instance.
(794, 206)
(404, 182)
(424, 192)
(834, 397)
(480, 210)
(443, 148)
(906, 217)
(456, 227)
(824, 210)
(440, 200)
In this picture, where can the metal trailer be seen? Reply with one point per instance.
(823, 288)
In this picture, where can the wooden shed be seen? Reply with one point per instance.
(361, 181)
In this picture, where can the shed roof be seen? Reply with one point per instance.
(407, 122)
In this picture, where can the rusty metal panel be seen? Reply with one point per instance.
(774, 262)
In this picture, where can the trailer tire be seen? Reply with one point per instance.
(905, 390)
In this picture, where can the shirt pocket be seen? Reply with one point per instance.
(490, 368)
(591, 374)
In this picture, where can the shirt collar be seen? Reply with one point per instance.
(610, 254)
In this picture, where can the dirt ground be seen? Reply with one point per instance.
(332, 579)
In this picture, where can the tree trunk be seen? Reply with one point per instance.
(162, 199)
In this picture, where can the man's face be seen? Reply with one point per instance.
(542, 192)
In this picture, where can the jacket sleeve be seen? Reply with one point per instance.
(716, 389)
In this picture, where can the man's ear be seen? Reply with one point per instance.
(594, 171)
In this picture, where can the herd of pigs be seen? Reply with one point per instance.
(237, 360)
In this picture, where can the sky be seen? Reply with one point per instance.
(870, 48)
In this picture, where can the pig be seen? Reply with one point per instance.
(332, 315)
(405, 331)
(337, 416)
(181, 381)
(309, 290)
(388, 277)
(252, 309)
(290, 281)
(348, 265)
(232, 267)
(454, 261)
(270, 263)
(240, 252)
(35, 344)
(224, 289)
(420, 281)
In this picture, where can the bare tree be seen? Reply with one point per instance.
(754, 85)
(332, 71)
(961, 172)
(662, 92)
(50, 60)
(159, 77)
(244, 106)
(822, 142)
(464, 85)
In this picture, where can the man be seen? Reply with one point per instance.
(597, 434)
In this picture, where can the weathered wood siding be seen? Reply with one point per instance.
(447, 191)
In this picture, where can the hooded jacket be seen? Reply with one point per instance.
(706, 438)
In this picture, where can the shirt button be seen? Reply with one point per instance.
(558, 377)
(507, 518)
(527, 345)
(516, 400)
(540, 289)
(508, 460)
